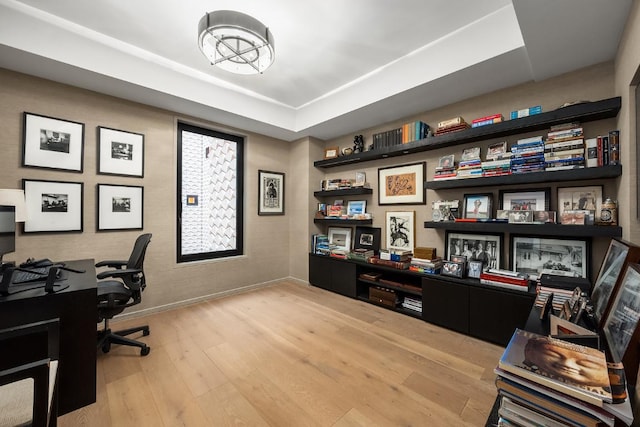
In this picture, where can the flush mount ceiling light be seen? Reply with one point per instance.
(236, 42)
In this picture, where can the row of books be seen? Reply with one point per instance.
(412, 303)
(536, 389)
(409, 132)
(505, 279)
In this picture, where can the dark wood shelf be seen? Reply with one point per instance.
(416, 292)
(585, 112)
(603, 172)
(340, 222)
(535, 229)
(343, 192)
(398, 308)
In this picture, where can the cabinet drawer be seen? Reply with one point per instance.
(383, 296)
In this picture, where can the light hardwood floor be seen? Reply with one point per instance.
(292, 355)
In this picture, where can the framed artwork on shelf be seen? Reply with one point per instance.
(447, 161)
(580, 198)
(120, 207)
(485, 247)
(529, 200)
(361, 179)
(340, 237)
(271, 193)
(367, 238)
(356, 207)
(619, 254)
(558, 256)
(331, 152)
(52, 143)
(621, 323)
(400, 231)
(477, 205)
(444, 210)
(53, 206)
(496, 150)
(120, 152)
(402, 185)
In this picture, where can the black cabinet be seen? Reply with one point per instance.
(333, 275)
(446, 303)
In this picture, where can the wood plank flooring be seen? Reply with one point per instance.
(292, 355)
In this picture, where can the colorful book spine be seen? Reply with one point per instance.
(526, 112)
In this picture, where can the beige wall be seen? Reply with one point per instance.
(266, 238)
(592, 83)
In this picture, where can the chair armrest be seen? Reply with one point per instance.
(111, 263)
(118, 273)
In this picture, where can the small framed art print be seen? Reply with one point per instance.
(120, 152)
(402, 185)
(120, 207)
(400, 230)
(478, 205)
(271, 193)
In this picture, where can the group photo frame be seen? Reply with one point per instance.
(579, 199)
(53, 206)
(120, 152)
(270, 193)
(485, 248)
(402, 185)
(52, 143)
(120, 207)
(400, 230)
(558, 256)
(527, 200)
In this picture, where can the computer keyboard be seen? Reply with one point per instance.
(34, 275)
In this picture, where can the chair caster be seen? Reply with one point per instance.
(145, 350)
(145, 333)
(106, 347)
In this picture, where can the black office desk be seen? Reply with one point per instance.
(76, 307)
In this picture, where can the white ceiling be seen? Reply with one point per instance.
(340, 66)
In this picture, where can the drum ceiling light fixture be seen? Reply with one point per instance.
(236, 42)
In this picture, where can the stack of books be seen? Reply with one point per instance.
(339, 253)
(505, 279)
(320, 244)
(414, 131)
(537, 389)
(497, 167)
(564, 147)
(451, 125)
(400, 265)
(412, 303)
(426, 266)
(445, 172)
(487, 120)
(395, 254)
(360, 254)
(528, 155)
(470, 165)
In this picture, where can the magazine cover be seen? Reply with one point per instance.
(569, 368)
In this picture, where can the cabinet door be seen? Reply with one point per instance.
(343, 278)
(446, 304)
(320, 272)
(495, 314)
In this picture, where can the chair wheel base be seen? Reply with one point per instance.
(145, 351)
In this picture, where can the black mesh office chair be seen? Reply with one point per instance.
(124, 290)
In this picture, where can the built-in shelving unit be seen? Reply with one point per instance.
(536, 229)
(584, 112)
(343, 192)
(339, 222)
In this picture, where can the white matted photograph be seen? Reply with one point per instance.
(340, 237)
(271, 193)
(52, 143)
(120, 152)
(560, 257)
(529, 200)
(485, 248)
(580, 198)
(53, 206)
(400, 230)
(120, 207)
(402, 185)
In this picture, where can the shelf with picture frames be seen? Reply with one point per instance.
(583, 112)
(537, 229)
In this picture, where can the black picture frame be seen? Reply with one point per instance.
(534, 255)
(120, 207)
(270, 193)
(467, 245)
(120, 152)
(402, 185)
(530, 199)
(367, 238)
(478, 205)
(53, 206)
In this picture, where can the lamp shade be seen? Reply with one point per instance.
(236, 42)
(13, 197)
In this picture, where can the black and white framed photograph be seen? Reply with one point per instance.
(340, 238)
(452, 268)
(367, 238)
(53, 206)
(444, 210)
(619, 254)
(474, 269)
(271, 193)
(622, 321)
(529, 200)
(540, 255)
(52, 143)
(485, 247)
(402, 185)
(356, 207)
(580, 198)
(496, 150)
(120, 152)
(478, 205)
(400, 230)
(447, 161)
(120, 207)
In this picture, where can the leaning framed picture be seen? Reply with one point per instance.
(621, 323)
(271, 193)
(529, 200)
(52, 143)
(120, 207)
(367, 238)
(356, 207)
(485, 247)
(580, 198)
(478, 205)
(340, 238)
(53, 206)
(557, 256)
(400, 230)
(120, 152)
(402, 185)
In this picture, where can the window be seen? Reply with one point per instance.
(210, 188)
